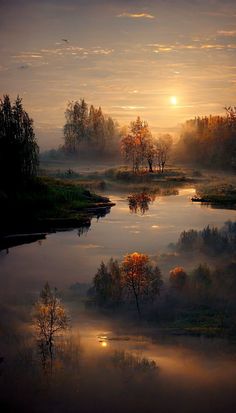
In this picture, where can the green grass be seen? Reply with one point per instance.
(45, 198)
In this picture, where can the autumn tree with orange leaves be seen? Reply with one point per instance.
(140, 278)
(136, 145)
(178, 278)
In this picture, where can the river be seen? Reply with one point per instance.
(193, 374)
(64, 258)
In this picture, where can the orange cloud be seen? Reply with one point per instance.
(136, 15)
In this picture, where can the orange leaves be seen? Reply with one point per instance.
(175, 273)
(135, 262)
(178, 277)
(134, 145)
(140, 202)
(134, 268)
(140, 279)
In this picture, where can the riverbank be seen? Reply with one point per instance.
(222, 193)
(46, 205)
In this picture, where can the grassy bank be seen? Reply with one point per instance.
(47, 203)
(122, 177)
(219, 193)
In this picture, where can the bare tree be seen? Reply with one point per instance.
(50, 317)
(163, 147)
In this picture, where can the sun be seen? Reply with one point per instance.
(173, 100)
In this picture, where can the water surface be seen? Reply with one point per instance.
(64, 258)
(193, 375)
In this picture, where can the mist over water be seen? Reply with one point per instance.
(108, 365)
(64, 258)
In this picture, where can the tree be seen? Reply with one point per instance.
(116, 281)
(107, 283)
(102, 284)
(140, 279)
(134, 145)
(19, 152)
(50, 316)
(163, 147)
(178, 278)
(151, 153)
(201, 278)
(76, 125)
(210, 140)
(87, 129)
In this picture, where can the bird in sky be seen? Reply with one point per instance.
(65, 40)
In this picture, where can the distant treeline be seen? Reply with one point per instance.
(210, 240)
(89, 131)
(200, 300)
(209, 141)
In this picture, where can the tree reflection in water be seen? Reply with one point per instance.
(140, 202)
(98, 213)
(83, 230)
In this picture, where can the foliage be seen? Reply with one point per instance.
(108, 284)
(134, 278)
(18, 148)
(209, 240)
(41, 201)
(139, 147)
(178, 278)
(209, 141)
(135, 145)
(140, 279)
(201, 277)
(88, 130)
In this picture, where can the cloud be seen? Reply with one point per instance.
(136, 15)
(162, 48)
(128, 107)
(227, 33)
(47, 56)
(219, 13)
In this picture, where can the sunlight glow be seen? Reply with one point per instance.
(173, 100)
(104, 343)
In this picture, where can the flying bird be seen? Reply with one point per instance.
(65, 40)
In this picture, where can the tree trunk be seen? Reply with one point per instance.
(137, 304)
(150, 166)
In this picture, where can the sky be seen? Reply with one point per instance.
(165, 60)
